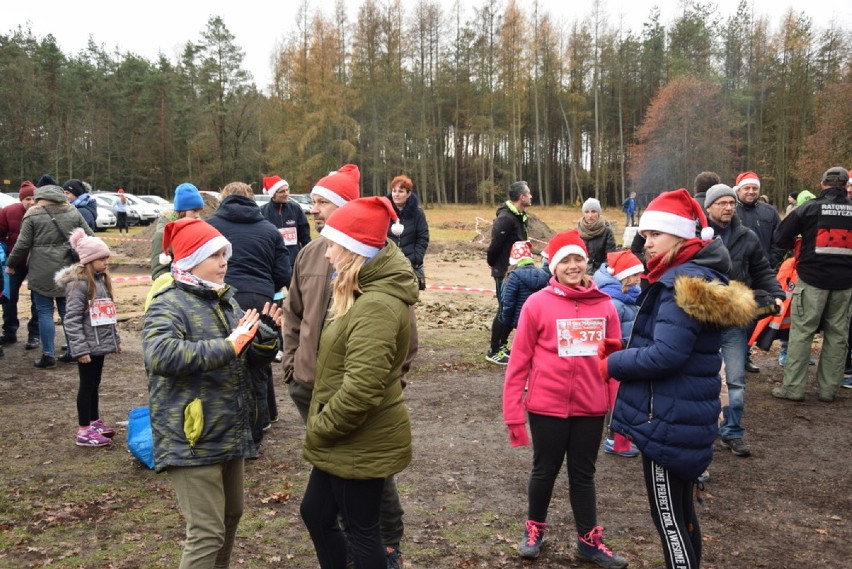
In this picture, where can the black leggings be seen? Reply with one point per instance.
(87, 394)
(499, 331)
(358, 503)
(574, 440)
(673, 511)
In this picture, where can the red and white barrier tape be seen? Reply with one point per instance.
(126, 239)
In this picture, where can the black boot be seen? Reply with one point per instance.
(46, 362)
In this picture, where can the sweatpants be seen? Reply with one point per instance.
(673, 511)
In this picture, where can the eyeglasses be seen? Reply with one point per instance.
(731, 204)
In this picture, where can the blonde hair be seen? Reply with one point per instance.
(237, 188)
(672, 253)
(88, 274)
(345, 285)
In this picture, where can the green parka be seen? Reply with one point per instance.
(358, 426)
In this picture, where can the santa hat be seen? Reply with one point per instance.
(192, 241)
(361, 225)
(564, 244)
(341, 186)
(747, 178)
(89, 248)
(675, 213)
(520, 250)
(273, 183)
(622, 264)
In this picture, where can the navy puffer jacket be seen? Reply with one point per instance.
(519, 285)
(415, 233)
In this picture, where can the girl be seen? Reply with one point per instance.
(90, 328)
(668, 401)
(554, 357)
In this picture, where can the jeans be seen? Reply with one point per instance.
(628, 219)
(734, 354)
(46, 327)
(10, 308)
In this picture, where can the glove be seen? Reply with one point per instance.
(609, 346)
(518, 436)
(267, 331)
(242, 336)
(602, 367)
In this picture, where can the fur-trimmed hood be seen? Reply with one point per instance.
(67, 274)
(714, 302)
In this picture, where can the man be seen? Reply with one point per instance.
(509, 226)
(286, 215)
(305, 310)
(824, 289)
(10, 227)
(761, 218)
(750, 266)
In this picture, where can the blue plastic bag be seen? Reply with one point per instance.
(140, 440)
(4, 296)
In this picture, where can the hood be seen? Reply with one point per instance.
(713, 302)
(603, 279)
(612, 286)
(239, 209)
(67, 274)
(591, 294)
(409, 210)
(390, 272)
(714, 256)
(52, 193)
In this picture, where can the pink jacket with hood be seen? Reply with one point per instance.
(556, 386)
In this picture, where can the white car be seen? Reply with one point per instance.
(305, 202)
(162, 203)
(148, 213)
(7, 200)
(105, 219)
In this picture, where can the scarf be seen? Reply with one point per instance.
(590, 230)
(188, 278)
(656, 267)
(522, 214)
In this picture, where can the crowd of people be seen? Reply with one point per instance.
(619, 348)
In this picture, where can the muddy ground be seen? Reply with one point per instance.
(787, 506)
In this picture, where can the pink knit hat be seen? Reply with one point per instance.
(89, 248)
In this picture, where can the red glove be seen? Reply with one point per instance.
(602, 367)
(518, 436)
(609, 346)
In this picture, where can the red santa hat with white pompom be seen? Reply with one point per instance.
(675, 213)
(361, 226)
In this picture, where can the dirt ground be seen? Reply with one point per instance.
(787, 506)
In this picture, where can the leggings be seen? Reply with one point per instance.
(574, 440)
(673, 511)
(87, 394)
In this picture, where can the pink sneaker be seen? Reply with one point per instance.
(90, 437)
(102, 429)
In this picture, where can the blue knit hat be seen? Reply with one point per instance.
(187, 197)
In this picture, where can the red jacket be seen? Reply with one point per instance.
(558, 318)
(10, 224)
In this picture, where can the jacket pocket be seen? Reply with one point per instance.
(193, 422)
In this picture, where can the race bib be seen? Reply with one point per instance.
(579, 336)
(289, 235)
(102, 312)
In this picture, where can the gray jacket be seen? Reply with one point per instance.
(83, 338)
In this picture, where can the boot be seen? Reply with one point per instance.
(591, 547)
(530, 545)
(46, 362)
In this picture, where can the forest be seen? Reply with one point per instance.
(462, 101)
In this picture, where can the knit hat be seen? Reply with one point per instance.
(46, 180)
(564, 244)
(804, 196)
(273, 183)
(718, 191)
(191, 242)
(341, 186)
(74, 186)
(187, 197)
(747, 178)
(591, 204)
(520, 250)
(675, 213)
(835, 177)
(361, 225)
(27, 190)
(622, 264)
(89, 248)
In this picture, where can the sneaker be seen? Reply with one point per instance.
(591, 547)
(46, 362)
(782, 358)
(609, 448)
(847, 383)
(751, 367)
(266, 427)
(394, 557)
(736, 446)
(32, 344)
(782, 393)
(704, 477)
(499, 357)
(530, 545)
(102, 429)
(90, 437)
(279, 356)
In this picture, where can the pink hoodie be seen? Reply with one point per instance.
(573, 321)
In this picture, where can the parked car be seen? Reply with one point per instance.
(262, 199)
(148, 213)
(162, 203)
(105, 220)
(6, 200)
(12, 194)
(304, 200)
(107, 201)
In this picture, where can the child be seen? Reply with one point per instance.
(90, 329)
(554, 356)
(619, 277)
(198, 346)
(523, 280)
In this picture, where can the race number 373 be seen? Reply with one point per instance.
(579, 336)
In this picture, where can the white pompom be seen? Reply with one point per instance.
(610, 270)
(165, 259)
(397, 228)
(707, 233)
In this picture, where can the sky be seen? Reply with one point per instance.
(151, 27)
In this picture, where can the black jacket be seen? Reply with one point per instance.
(763, 219)
(749, 264)
(598, 247)
(289, 215)
(260, 262)
(508, 227)
(415, 233)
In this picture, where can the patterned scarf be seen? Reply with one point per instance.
(188, 278)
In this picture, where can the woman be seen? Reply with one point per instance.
(415, 237)
(358, 430)
(596, 234)
(668, 401)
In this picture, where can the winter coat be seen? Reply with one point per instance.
(358, 425)
(624, 301)
(415, 233)
(509, 226)
(598, 247)
(46, 245)
(668, 400)
(88, 208)
(83, 338)
(260, 262)
(11, 218)
(287, 216)
(520, 284)
(763, 219)
(558, 386)
(749, 264)
(188, 357)
(825, 224)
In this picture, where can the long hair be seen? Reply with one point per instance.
(88, 274)
(672, 253)
(345, 285)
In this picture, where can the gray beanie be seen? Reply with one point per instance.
(718, 191)
(592, 204)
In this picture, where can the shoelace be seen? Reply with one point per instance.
(533, 531)
(595, 539)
